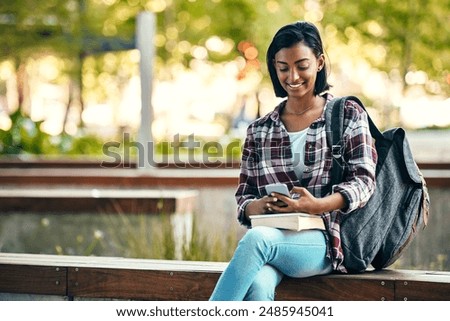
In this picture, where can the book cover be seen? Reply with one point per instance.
(290, 221)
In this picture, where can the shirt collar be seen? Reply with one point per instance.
(276, 114)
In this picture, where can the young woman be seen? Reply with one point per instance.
(289, 146)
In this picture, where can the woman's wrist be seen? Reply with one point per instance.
(254, 207)
(331, 203)
(249, 208)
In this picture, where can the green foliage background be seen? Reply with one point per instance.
(404, 36)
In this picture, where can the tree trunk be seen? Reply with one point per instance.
(23, 89)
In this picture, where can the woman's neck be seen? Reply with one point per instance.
(301, 105)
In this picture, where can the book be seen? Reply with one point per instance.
(289, 221)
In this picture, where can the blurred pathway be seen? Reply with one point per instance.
(430, 145)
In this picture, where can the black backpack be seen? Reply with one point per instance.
(379, 232)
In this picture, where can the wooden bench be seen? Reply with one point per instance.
(75, 277)
(91, 199)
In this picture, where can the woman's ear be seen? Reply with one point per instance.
(320, 62)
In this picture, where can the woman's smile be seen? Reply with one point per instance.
(295, 85)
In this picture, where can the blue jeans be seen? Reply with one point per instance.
(264, 255)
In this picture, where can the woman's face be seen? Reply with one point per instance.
(297, 69)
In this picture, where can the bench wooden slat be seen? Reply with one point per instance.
(45, 280)
(162, 177)
(76, 200)
(325, 288)
(120, 177)
(65, 192)
(107, 262)
(421, 290)
(141, 284)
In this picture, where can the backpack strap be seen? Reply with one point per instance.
(374, 131)
(334, 126)
(334, 114)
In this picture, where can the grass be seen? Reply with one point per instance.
(153, 236)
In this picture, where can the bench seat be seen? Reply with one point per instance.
(96, 199)
(78, 277)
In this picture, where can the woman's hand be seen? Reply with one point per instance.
(305, 202)
(302, 202)
(261, 206)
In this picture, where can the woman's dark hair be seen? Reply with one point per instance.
(286, 37)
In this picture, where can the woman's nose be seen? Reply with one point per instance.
(293, 75)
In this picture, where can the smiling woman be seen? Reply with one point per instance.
(297, 68)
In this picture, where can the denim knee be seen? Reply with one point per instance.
(256, 237)
(264, 284)
(260, 291)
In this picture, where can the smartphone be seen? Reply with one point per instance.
(278, 188)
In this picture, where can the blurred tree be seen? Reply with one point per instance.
(32, 28)
(75, 29)
(410, 36)
(204, 29)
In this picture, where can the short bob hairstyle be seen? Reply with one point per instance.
(286, 37)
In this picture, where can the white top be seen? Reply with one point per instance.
(298, 141)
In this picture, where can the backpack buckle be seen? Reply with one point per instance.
(336, 151)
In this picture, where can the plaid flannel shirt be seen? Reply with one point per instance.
(267, 158)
